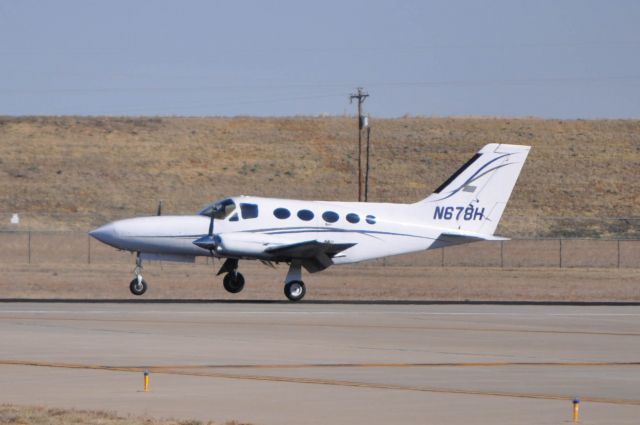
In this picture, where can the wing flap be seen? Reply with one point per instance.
(314, 255)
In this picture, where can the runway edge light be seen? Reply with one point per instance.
(576, 410)
(146, 380)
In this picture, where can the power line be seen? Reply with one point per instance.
(246, 50)
(434, 83)
(209, 104)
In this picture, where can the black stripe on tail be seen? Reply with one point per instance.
(457, 173)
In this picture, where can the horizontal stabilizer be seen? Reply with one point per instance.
(452, 238)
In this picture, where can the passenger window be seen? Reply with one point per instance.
(281, 213)
(330, 216)
(371, 219)
(249, 211)
(353, 218)
(234, 217)
(305, 215)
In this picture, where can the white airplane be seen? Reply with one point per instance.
(317, 234)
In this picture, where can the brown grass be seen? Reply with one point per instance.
(38, 415)
(74, 173)
(359, 282)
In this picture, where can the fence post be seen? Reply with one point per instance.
(560, 253)
(88, 249)
(29, 247)
(618, 253)
(502, 254)
(442, 258)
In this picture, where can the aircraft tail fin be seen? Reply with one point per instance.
(474, 197)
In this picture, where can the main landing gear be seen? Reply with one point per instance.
(138, 286)
(233, 281)
(294, 288)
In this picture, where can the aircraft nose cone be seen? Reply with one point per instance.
(106, 234)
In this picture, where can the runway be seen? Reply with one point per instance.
(326, 363)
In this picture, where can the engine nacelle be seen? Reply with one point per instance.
(247, 244)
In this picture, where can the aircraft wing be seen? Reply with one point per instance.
(314, 255)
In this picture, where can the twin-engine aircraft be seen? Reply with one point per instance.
(316, 234)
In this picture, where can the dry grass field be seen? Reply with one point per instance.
(38, 415)
(346, 283)
(74, 173)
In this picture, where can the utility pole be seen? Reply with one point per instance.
(366, 174)
(360, 95)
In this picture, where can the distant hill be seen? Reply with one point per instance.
(77, 172)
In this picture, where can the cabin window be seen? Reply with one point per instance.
(371, 219)
(330, 216)
(234, 217)
(249, 211)
(353, 218)
(305, 215)
(282, 213)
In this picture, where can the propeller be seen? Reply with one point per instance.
(211, 241)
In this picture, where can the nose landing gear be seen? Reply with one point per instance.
(138, 286)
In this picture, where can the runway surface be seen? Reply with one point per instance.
(325, 363)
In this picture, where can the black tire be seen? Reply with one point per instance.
(295, 290)
(138, 289)
(233, 282)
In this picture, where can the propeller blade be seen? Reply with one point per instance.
(211, 224)
(211, 241)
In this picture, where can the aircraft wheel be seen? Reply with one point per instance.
(233, 282)
(295, 290)
(138, 288)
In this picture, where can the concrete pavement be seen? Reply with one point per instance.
(318, 364)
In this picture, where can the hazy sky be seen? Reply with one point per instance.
(547, 58)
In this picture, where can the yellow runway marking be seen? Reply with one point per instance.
(211, 372)
(407, 388)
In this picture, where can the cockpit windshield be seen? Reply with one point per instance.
(220, 209)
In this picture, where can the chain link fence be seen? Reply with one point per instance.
(512, 224)
(70, 247)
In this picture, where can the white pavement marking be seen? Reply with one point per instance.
(342, 313)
